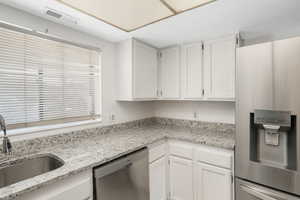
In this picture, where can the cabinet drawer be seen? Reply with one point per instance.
(157, 152)
(181, 149)
(214, 156)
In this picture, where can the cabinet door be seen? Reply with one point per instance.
(219, 63)
(181, 179)
(212, 183)
(157, 178)
(192, 71)
(170, 73)
(145, 71)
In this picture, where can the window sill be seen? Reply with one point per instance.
(62, 126)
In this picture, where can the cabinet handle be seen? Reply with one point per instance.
(159, 93)
(263, 195)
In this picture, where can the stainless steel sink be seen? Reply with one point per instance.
(18, 170)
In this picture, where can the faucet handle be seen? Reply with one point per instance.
(2, 123)
(7, 146)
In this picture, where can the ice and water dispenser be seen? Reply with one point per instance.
(273, 138)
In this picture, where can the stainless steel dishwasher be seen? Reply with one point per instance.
(126, 178)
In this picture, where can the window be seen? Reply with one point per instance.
(46, 82)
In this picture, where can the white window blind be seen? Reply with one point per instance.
(46, 82)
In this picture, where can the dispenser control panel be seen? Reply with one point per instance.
(271, 117)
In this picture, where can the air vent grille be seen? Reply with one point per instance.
(53, 14)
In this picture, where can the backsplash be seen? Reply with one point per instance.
(37, 144)
(223, 127)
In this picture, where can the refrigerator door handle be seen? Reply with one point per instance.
(261, 194)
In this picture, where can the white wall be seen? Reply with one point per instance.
(123, 111)
(205, 111)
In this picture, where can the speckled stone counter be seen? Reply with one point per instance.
(85, 149)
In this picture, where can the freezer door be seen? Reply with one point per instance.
(268, 78)
(249, 191)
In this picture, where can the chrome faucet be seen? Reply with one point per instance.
(7, 147)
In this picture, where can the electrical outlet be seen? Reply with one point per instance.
(195, 115)
(112, 117)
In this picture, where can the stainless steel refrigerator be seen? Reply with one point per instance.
(267, 165)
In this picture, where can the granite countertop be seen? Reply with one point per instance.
(97, 146)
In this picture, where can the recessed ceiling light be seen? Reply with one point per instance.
(184, 5)
(129, 15)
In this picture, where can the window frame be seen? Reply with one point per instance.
(66, 122)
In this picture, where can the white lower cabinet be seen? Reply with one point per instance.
(158, 171)
(212, 183)
(190, 172)
(158, 179)
(181, 179)
(177, 171)
(78, 187)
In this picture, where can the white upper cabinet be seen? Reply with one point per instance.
(197, 71)
(192, 71)
(145, 71)
(219, 69)
(136, 71)
(169, 73)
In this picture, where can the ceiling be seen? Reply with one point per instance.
(257, 20)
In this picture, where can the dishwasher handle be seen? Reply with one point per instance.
(111, 167)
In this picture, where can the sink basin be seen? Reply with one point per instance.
(18, 170)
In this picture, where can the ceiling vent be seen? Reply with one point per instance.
(53, 14)
(61, 16)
